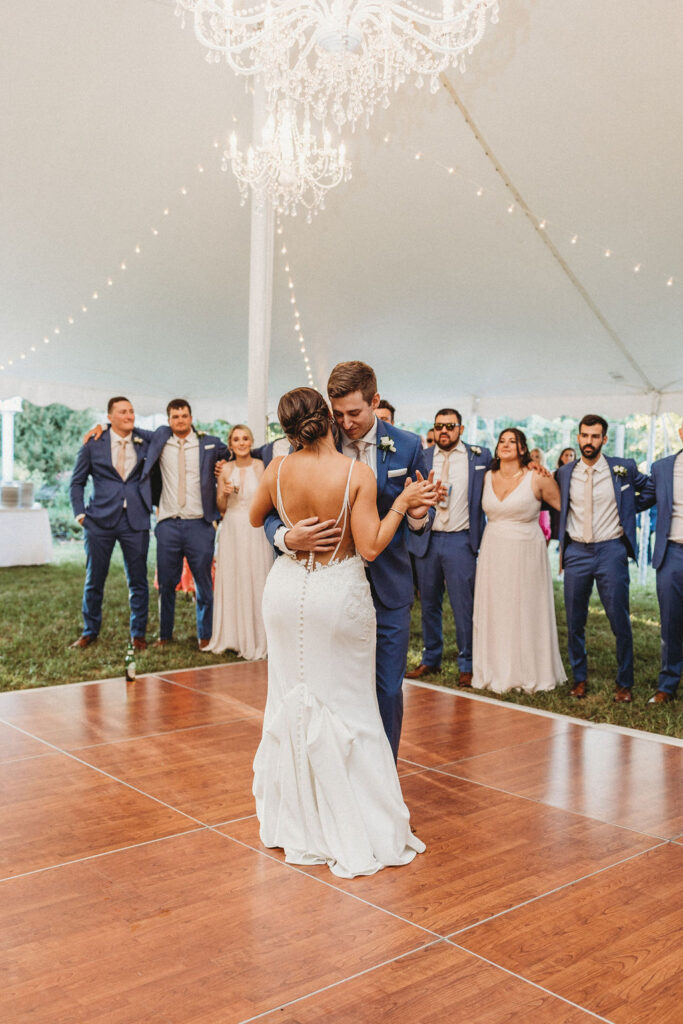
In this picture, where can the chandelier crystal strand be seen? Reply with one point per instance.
(341, 58)
(294, 165)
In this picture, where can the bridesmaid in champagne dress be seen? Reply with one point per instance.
(515, 633)
(244, 556)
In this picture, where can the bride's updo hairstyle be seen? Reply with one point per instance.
(523, 456)
(304, 416)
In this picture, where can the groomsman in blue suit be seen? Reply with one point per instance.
(118, 511)
(180, 465)
(667, 477)
(447, 554)
(600, 498)
(394, 456)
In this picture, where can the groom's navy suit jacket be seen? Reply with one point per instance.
(633, 492)
(663, 484)
(390, 573)
(110, 491)
(478, 461)
(211, 449)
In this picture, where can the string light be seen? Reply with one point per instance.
(297, 316)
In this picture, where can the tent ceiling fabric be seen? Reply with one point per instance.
(109, 108)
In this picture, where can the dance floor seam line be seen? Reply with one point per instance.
(500, 750)
(528, 981)
(342, 981)
(558, 888)
(330, 885)
(543, 803)
(103, 853)
(156, 735)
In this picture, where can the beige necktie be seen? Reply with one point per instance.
(121, 460)
(360, 448)
(442, 513)
(181, 472)
(588, 506)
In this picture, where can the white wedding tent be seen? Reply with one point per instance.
(511, 244)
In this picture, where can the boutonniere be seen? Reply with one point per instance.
(200, 434)
(137, 440)
(385, 445)
(475, 449)
(620, 471)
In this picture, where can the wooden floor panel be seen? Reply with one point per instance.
(608, 775)
(246, 682)
(14, 745)
(432, 986)
(196, 928)
(611, 943)
(203, 772)
(54, 809)
(440, 727)
(486, 852)
(77, 716)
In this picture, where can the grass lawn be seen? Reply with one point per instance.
(40, 616)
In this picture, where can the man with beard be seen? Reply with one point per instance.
(448, 553)
(600, 499)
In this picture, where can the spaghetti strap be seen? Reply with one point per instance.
(280, 506)
(344, 511)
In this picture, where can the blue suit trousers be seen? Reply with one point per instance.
(606, 564)
(192, 539)
(670, 595)
(99, 545)
(450, 561)
(393, 637)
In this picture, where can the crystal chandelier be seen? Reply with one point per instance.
(340, 58)
(292, 166)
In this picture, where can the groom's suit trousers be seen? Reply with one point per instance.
(606, 564)
(393, 637)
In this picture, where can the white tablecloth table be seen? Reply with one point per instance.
(25, 537)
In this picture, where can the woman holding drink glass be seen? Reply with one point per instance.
(244, 556)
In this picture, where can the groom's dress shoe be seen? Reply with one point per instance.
(623, 695)
(580, 690)
(83, 641)
(661, 698)
(422, 670)
(465, 679)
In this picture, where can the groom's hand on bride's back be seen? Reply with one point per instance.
(311, 535)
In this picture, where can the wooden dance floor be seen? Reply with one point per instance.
(135, 890)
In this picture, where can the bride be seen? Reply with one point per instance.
(325, 781)
(515, 643)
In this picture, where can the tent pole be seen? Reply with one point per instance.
(9, 408)
(645, 516)
(260, 292)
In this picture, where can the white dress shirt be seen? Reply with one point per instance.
(131, 458)
(168, 504)
(606, 525)
(676, 531)
(458, 513)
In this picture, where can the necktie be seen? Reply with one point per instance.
(181, 472)
(588, 506)
(442, 512)
(360, 447)
(121, 459)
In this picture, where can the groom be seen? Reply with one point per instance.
(394, 456)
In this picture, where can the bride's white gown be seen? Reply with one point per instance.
(325, 781)
(515, 643)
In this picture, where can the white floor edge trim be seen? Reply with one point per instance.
(121, 679)
(640, 734)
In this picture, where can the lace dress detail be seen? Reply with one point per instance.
(325, 781)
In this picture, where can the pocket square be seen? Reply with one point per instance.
(398, 472)
(480, 467)
(625, 487)
(207, 446)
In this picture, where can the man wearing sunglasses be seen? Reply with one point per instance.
(448, 554)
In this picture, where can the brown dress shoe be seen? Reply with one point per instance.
(465, 680)
(661, 698)
(83, 641)
(203, 643)
(623, 695)
(139, 643)
(421, 670)
(580, 689)
(161, 642)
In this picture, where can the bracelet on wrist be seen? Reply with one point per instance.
(397, 511)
